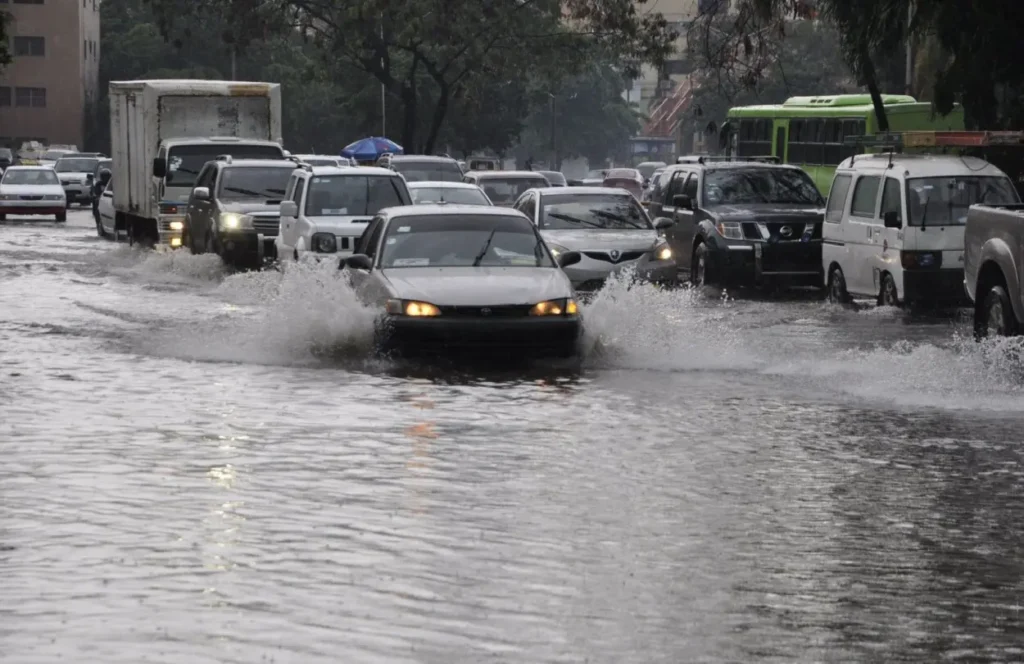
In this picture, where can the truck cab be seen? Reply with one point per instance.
(994, 268)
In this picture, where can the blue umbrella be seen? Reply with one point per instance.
(371, 148)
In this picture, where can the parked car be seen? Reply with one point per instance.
(76, 175)
(458, 193)
(504, 188)
(32, 190)
(234, 209)
(422, 167)
(742, 222)
(994, 268)
(894, 228)
(607, 227)
(456, 279)
(328, 208)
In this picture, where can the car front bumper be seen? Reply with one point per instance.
(939, 287)
(539, 337)
(32, 207)
(757, 262)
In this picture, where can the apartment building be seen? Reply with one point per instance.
(45, 92)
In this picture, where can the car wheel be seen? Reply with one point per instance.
(837, 293)
(888, 297)
(99, 227)
(997, 317)
(210, 246)
(699, 266)
(186, 238)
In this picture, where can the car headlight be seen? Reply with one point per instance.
(557, 250)
(177, 225)
(662, 252)
(8, 197)
(233, 221)
(324, 243)
(730, 230)
(564, 307)
(412, 308)
(51, 197)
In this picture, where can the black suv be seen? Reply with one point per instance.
(422, 167)
(742, 222)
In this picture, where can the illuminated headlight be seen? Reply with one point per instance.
(233, 221)
(557, 250)
(730, 230)
(662, 252)
(324, 243)
(175, 242)
(565, 307)
(411, 308)
(177, 225)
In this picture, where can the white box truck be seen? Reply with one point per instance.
(164, 131)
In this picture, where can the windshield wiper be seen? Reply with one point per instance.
(487, 245)
(244, 192)
(566, 217)
(609, 215)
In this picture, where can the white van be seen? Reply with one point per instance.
(894, 225)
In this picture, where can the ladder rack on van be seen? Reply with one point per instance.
(707, 158)
(898, 141)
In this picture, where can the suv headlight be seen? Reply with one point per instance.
(411, 308)
(563, 307)
(730, 230)
(662, 251)
(234, 221)
(324, 243)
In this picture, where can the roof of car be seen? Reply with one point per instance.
(448, 209)
(419, 157)
(507, 174)
(354, 170)
(438, 184)
(921, 165)
(318, 156)
(584, 191)
(30, 167)
(248, 163)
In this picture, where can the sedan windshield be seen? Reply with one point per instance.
(54, 155)
(506, 190)
(945, 201)
(463, 241)
(37, 176)
(428, 171)
(596, 211)
(185, 161)
(342, 195)
(734, 186)
(254, 182)
(75, 165)
(457, 195)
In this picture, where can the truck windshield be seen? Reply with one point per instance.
(744, 186)
(185, 161)
(343, 195)
(68, 165)
(944, 201)
(254, 182)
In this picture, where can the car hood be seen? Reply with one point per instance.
(638, 240)
(73, 175)
(767, 212)
(32, 189)
(256, 208)
(478, 286)
(346, 225)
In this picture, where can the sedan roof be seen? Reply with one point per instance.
(450, 210)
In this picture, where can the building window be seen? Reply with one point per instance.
(28, 2)
(5, 96)
(29, 46)
(34, 97)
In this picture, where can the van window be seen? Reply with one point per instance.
(892, 198)
(690, 188)
(865, 194)
(941, 201)
(837, 198)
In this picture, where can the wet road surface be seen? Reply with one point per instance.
(204, 467)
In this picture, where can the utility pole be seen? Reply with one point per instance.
(383, 89)
(554, 158)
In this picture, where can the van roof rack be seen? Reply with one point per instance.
(709, 158)
(936, 139)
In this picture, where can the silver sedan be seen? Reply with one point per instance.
(607, 227)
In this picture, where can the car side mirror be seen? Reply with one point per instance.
(891, 219)
(569, 258)
(201, 193)
(682, 201)
(663, 223)
(159, 167)
(357, 262)
(289, 209)
(105, 176)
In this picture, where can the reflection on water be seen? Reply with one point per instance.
(209, 467)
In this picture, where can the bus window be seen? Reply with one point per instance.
(833, 140)
(755, 138)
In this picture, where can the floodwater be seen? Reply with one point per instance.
(203, 467)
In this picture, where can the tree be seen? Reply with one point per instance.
(427, 52)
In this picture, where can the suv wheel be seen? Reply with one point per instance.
(699, 265)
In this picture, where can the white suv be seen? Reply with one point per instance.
(327, 208)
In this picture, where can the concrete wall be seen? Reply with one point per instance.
(68, 70)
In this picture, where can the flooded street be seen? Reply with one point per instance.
(204, 467)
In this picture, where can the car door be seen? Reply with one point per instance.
(676, 235)
(205, 210)
(864, 234)
(888, 257)
(363, 281)
(298, 226)
(834, 248)
(196, 211)
(288, 222)
(686, 221)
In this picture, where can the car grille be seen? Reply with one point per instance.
(266, 225)
(500, 311)
(31, 198)
(606, 257)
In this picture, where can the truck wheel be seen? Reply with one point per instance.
(837, 293)
(996, 315)
(699, 273)
(888, 297)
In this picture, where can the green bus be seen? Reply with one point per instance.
(809, 131)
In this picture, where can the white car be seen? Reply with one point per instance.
(105, 213)
(456, 193)
(50, 157)
(76, 176)
(323, 160)
(327, 208)
(32, 190)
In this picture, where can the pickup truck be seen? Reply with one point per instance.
(994, 268)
